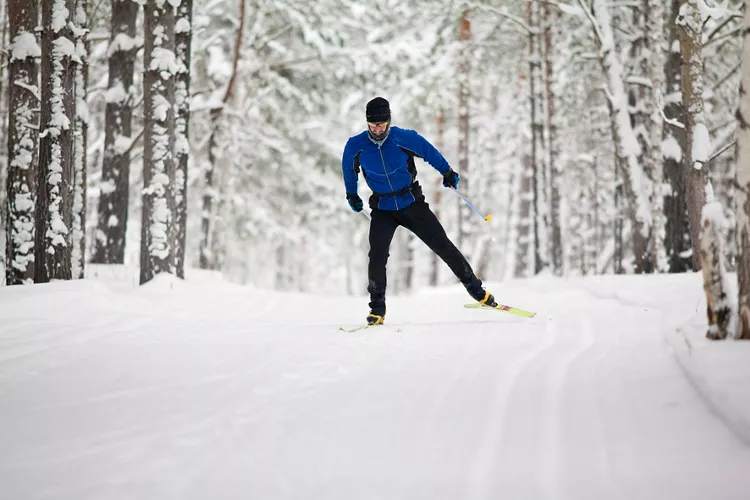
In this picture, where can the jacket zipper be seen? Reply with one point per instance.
(386, 174)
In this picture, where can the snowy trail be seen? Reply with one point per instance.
(238, 394)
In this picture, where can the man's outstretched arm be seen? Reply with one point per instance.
(348, 168)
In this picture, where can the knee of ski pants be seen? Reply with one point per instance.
(378, 256)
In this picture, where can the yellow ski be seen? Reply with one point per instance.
(501, 307)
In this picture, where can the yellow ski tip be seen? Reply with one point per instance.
(488, 218)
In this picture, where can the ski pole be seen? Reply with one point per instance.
(366, 215)
(487, 217)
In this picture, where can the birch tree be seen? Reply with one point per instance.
(23, 101)
(655, 64)
(53, 241)
(742, 203)
(209, 252)
(635, 185)
(160, 68)
(689, 28)
(114, 193)
(719, 306)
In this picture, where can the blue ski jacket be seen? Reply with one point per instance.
(388, 166)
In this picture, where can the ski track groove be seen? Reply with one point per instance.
(484, 466)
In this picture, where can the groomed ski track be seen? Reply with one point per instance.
(237, 394)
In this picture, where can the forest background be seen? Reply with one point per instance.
(603, 137)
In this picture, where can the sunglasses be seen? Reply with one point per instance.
(377, 124)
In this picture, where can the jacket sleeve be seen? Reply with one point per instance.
(429, 153)
(347, 167)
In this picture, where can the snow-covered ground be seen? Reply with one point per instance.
(205, 390)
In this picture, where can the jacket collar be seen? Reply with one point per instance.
(380, 142)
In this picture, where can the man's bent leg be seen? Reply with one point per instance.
(422, 222)
(382, 227)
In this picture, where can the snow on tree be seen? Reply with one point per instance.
(635, 184)
(53, 239)
(655, 61)
(160, 68)
(674, 142)
(114, 187)
(22, 142)
(689, 29)
(524, 261)
(183, 44)
(552, 50)
(539, 154)
(720, 307)
(78, 253)
(743, 184)
(211, 246)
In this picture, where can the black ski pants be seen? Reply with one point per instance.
(420, 220)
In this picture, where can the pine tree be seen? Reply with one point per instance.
(53, 239)
(78, 252)
(114, 192)
(22, 141)
(675, 142)
(160, 68)
(183, 44)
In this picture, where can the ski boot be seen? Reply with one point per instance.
(375, 319)
(488, 300)
(480, 294)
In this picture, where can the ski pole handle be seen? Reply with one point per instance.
(487, 217)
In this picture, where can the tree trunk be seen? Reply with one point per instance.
(675, 141)
(593, 239)
(689, 29)
(634, 182)
(112, 219)
(160, 68)
(4, 111)
(78, 254)
(742, 200)
(23, 100)
(53, 239)
(210, 190)
(640, 108)
(183, 43)
(208, 257)
(464, 94)
(536, 96)
(524, 249)
(551, 16)
(655, 127)
(715, 282)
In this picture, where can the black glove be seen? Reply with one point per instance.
(355, 202)
(451, 179)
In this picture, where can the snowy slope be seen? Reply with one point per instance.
(183, 390)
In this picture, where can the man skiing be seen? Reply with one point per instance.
(385, 155)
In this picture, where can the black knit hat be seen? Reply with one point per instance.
(378, 110)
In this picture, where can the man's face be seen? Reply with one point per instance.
(377, 130)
